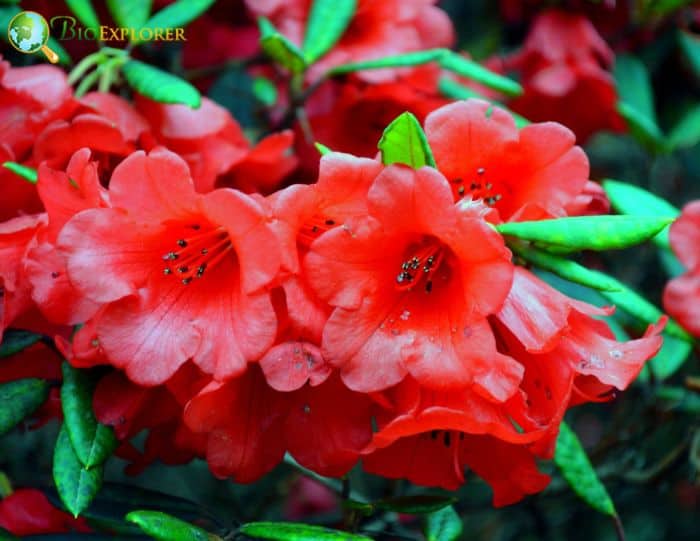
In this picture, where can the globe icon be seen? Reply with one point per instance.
(28, 32)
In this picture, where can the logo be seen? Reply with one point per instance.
(28, 32)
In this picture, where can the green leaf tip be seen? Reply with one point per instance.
(404, 141)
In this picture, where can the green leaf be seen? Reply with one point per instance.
(63, 57)
(642, 127)
(177, 14)
(160, 85)
(14, 341)
(633, 200)
(293, 531)
(130, 13)
(443, 525)
(264, 91)
(162, 526)
(20, 398)
(686, 133)
(85, 13)
(476, 72)
(327, 21)
(570, 270)
(690, 45)
(7, 536)
(404, 141)
(673, 354)
(588, 232)
(93, 442)
(322, 149)
(396, 61)
(279, 48)
(574, 465)
(679, 398)
(417, 504)
(76, 485)
(453, 89)
(27, 173)
(634, 85)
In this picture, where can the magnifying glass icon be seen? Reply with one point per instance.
(28, 32)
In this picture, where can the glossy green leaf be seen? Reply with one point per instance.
(279, 48)
(328, 20)
(27, 173)
(264, 91)
(570, 270)
(130, 13)
(634, 85)
(588, 232)
(404, 141)
(14, 341)
(293, 531)
(84, 12)
(670, 358)
(575, 467)
(20, 398)
(159, 85)
(686, 133)
(322, 149)
(690, 45)
(645, 130)
(93, 442)
(417, 504)
(453, 89)
(162, 526)
(76, 485)
(178, 14)
(630, 199)
(396, 61)
(443, 525)
(478, 73)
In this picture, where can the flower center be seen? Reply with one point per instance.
(420, 266)
(477, 188)
(197, 253)
(313, 228)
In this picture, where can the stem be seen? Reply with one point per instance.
(619, 529)
(334, 484)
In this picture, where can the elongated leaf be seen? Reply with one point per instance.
(645, 130)
(159, 85)
(265, 91)
(673, 354)
(566, 268)
(686, 133)
(14, 341)
(162, 526)
(690, 45)
(404, 141)
(417, 504)
(633, 200)
(476, 72)
(76, 485)
(20, 398)
(634, 85)
(293, 531)
(178, 14)
(443, 525)
(84, 12)
(453, 89)
(588, 232)
(396, 61)
(279, 48)
(27, 173)
(575, 467)
(93, 442)
(328, 19)
(130, 13)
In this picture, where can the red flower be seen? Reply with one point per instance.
(414, 296)
(526, 174)
(28, 512)
(250, 426)
(181, 275)
(213, 145)
(379, 28)
(682, 294)
(564, 68)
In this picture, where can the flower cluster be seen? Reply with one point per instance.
(372, 315)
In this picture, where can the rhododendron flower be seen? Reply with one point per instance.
(379, 28)
(564, 68)
(28, 512)
(682, 294)
(249, 426)
(414, 296)
(180, 275)
(212, 143)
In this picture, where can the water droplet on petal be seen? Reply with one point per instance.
(405, 315)
(616, 354)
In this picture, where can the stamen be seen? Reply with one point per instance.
(422, 265)
(198, 252)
